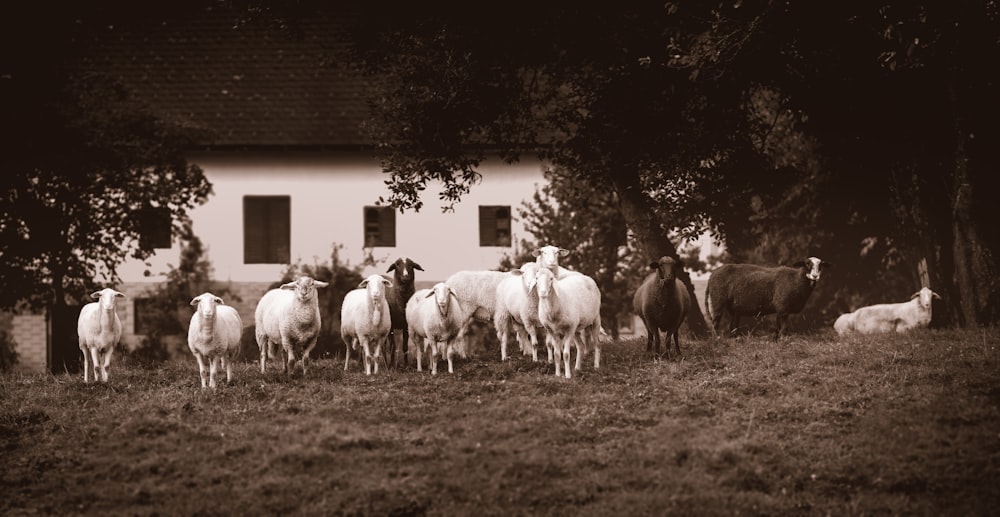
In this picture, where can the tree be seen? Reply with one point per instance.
(664, 102)
(87, 169)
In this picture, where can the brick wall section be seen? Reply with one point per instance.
(29, 332)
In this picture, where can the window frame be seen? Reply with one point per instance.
(270, 242)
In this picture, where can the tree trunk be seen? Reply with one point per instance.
(974, 273)
(641, 218)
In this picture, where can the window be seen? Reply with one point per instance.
(494, 225)
(266, 229)
(154, 231)
(380, 226)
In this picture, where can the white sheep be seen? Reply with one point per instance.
(548, 257)
(476, 292)
(214, 334)
(889, 317)
(99, 330)
(566, 307)
(516, 310)
(435, 323)
(288, 317)
(365, 321)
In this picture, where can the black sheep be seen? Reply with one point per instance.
(736, 290)
(397, 295)
(662, 302)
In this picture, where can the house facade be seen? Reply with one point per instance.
(292, 173)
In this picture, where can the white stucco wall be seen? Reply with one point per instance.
(328, 192)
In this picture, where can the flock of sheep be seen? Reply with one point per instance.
(540, 295)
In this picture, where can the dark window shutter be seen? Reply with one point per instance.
(266, 229)
(155, 228)
(380, 226)
(494, 225)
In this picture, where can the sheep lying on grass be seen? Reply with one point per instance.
(214, 334)
(889, 317)
(435, 323)
(566, 306)
(365, 321)
(99, 330)
(662, 303)
(736, 290)
(288, 317)
(398, 294)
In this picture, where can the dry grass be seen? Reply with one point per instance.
(809, 425)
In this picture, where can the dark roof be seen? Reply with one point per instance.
(249, 84)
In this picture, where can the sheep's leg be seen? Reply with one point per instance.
(377, 355)
(228, 365)
(263, 348)
(417, 350)
(86, 364)
(557, 355)
(366, 350)
(213, 367)
(533, 337)
(450, 351)
(348, 343)
(406, 348)
(107, 363)
(568, 354)
(201, 369)
(434, 357)
(95, 358)
(780, 322)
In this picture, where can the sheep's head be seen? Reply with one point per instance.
(375, 285)
(543, 281)
(926, 297)
(548, 256)
(107, 297)
(403, 268)
(813, 267)
(667, 267)
(528, 273)
(206, 302)
(442, 297)
(305, 288)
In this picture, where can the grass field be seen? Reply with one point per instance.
(812, 424)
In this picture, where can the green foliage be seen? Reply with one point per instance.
(168, 305)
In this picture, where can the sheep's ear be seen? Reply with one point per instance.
(654, 265)
(363, 284)
(430, 292)
(289, 285)
(392, 268)
(935, 295)
(563, 253)
(195, 300)
(680, 263)
(516, 272)
(320, 284)
(218, 300)
(119, 295)
(416, 266)
(535, 252)
(914, 295)
(824, 264)
(95, 295)
(799, 264)
(387, 282)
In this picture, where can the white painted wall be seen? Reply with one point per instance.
(328, 192)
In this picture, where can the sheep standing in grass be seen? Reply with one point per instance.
(288, 317)
(435, 323)
(398, 294)
(365, 321)
(214, 334)
(516, 310)
(567, 306)
(662, 303)
(476, 292)
(736, 290)
(889, 317)
(99, 330)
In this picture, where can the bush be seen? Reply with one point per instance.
(8, 351)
